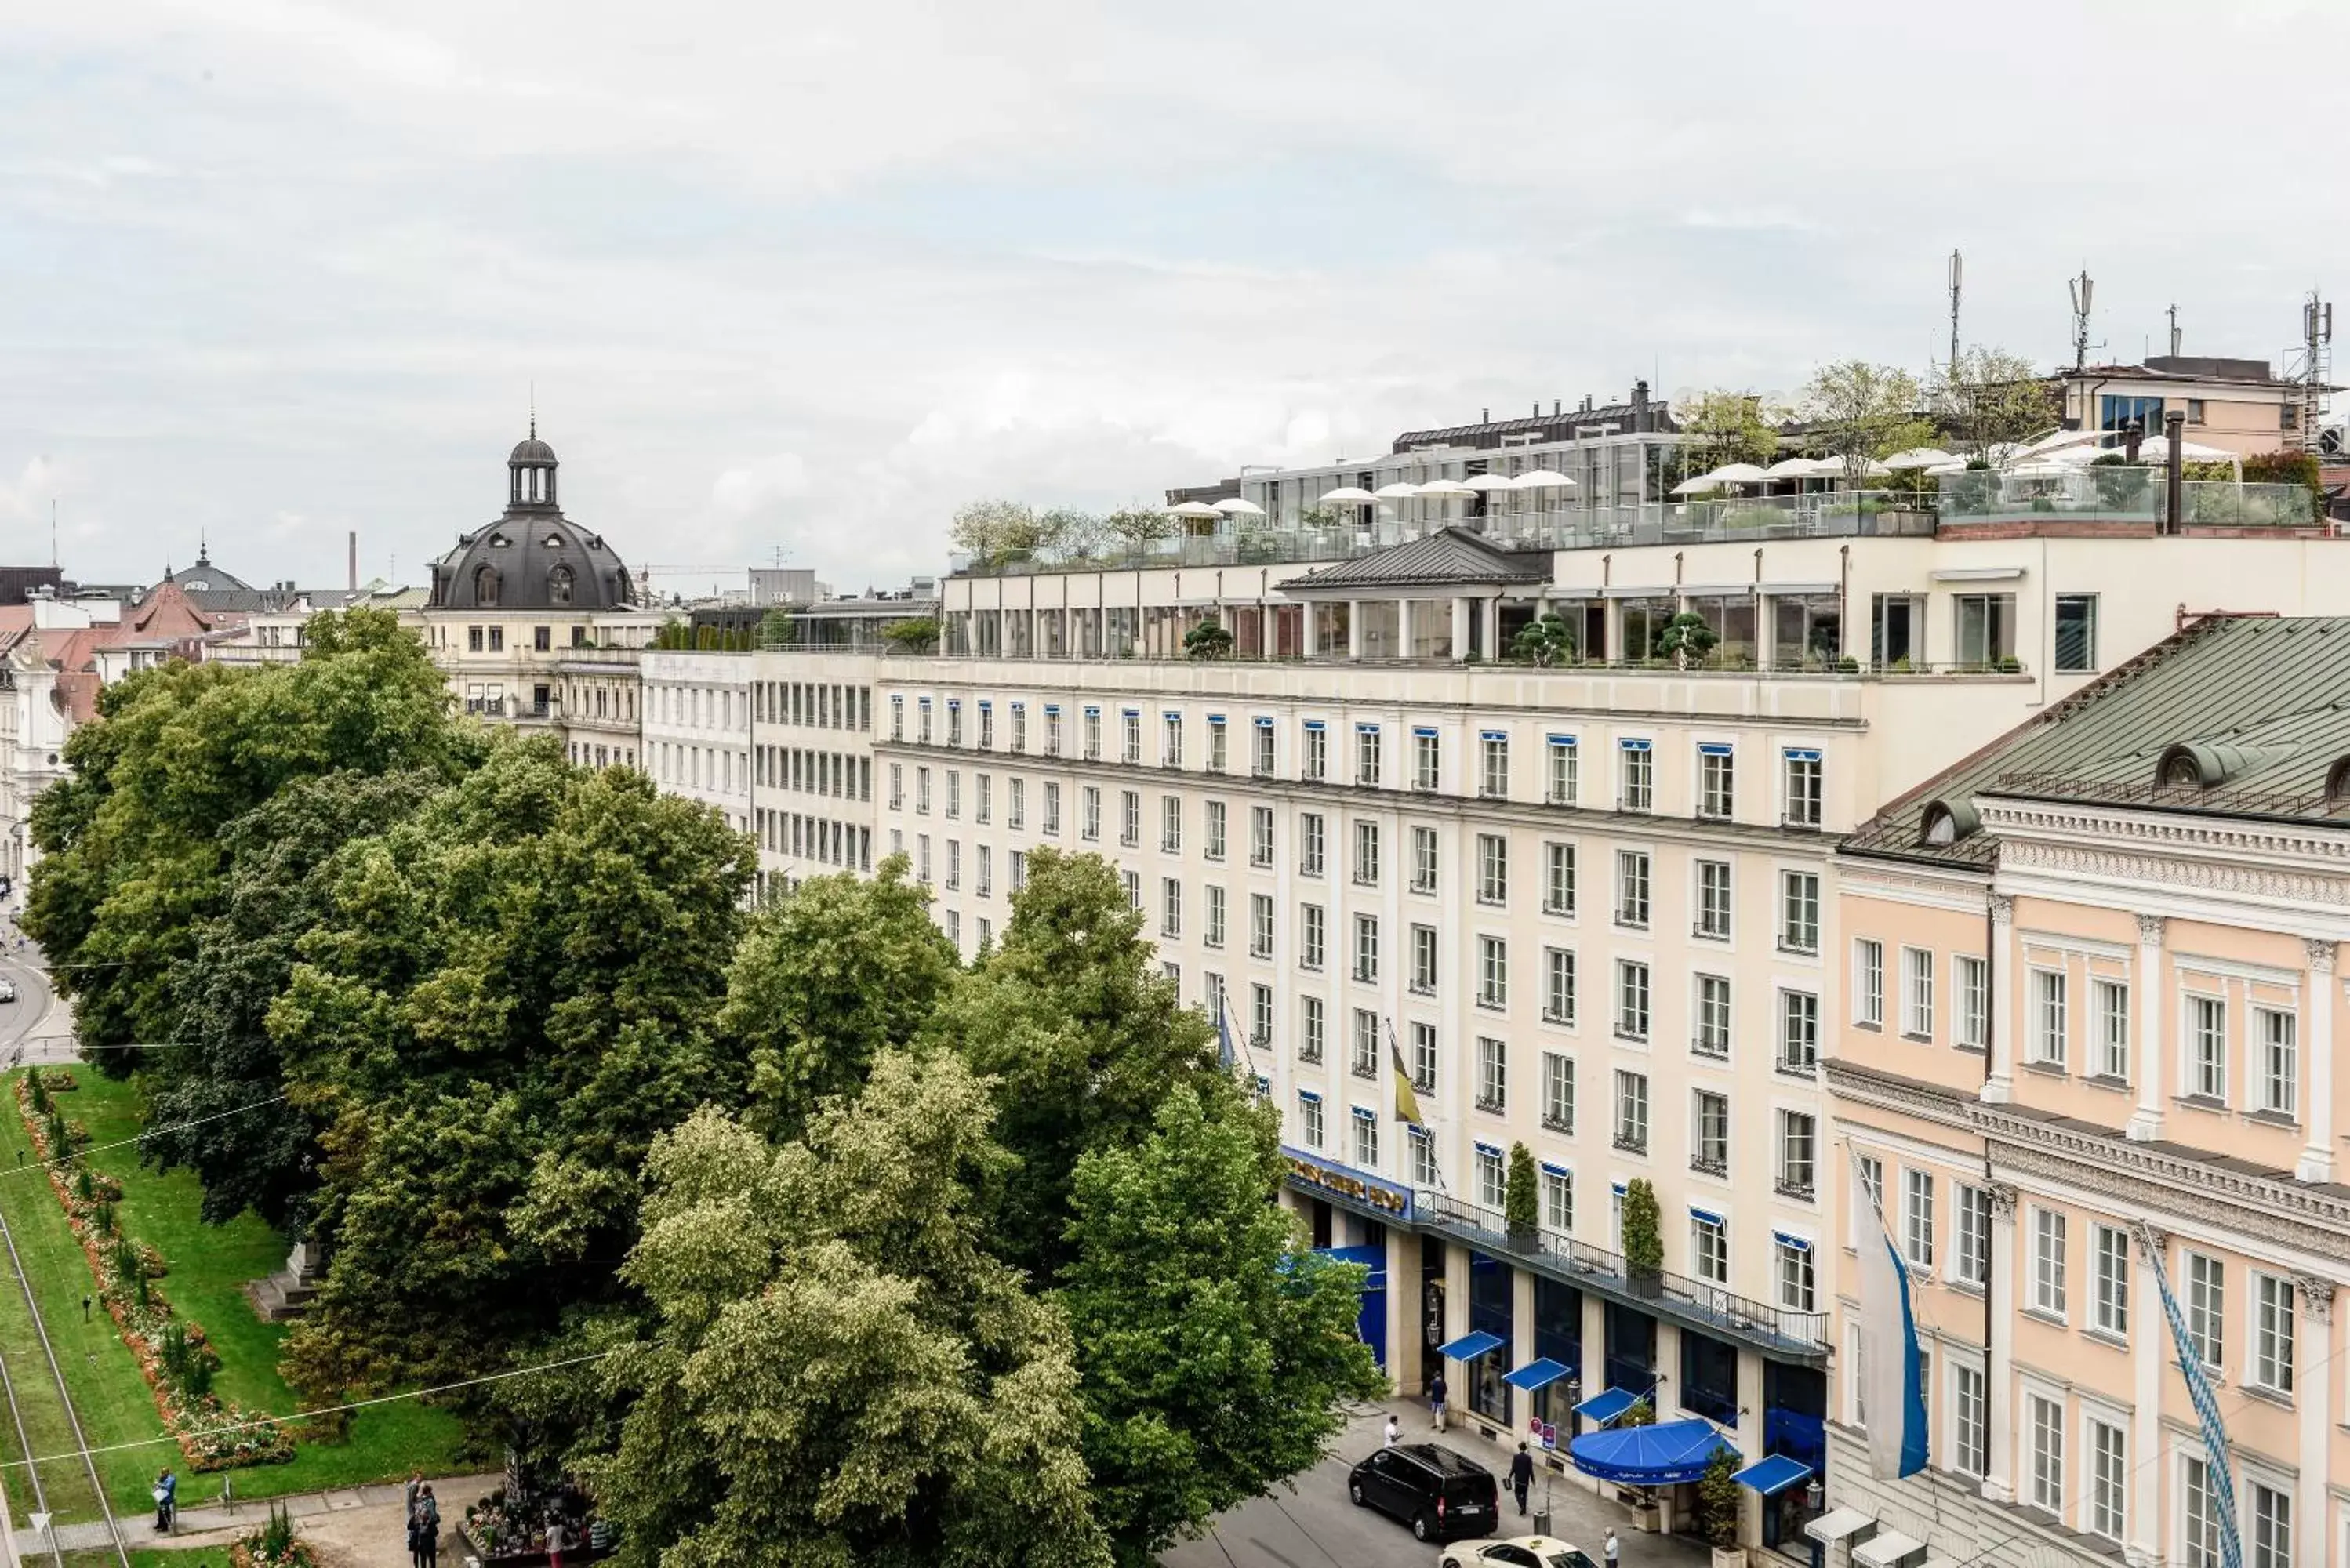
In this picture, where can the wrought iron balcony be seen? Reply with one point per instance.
(1707, 1307)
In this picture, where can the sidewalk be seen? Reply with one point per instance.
(214, 1526)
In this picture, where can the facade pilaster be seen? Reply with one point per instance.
(2000, 1086)
(2152, 1056)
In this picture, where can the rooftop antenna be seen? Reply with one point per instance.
(2317, 360)
(1957, 275)
(53, 531)
(2081, 288)
(533, 411)
(2174, 331)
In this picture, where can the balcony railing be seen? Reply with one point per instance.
(1707, 1306)
(2119, 495)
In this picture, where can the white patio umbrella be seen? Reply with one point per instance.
(1441, 488)
(1489, 482)
(1234, 506)
(1833, 467)
(1543, 479)
(2159, 450)
(1192, 509)
(1399, 491)
(1695, 483)
(1352, 493)
(1918, 457)
(1737, 474)
(1790, 468)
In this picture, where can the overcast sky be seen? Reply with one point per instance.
(803, 277)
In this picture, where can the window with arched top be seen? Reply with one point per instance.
(558, 585)
(2338, 786)
(485, 585)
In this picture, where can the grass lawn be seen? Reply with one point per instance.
(208, 1267)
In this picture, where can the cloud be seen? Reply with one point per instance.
(806, 277)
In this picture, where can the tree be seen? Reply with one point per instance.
(1209, 639)
(843, 969)
(1136, 526)
(839, 1373)
(777, 628)
(1644, 1242)
(1521, 1205)
(1543, 641)
(996, 531)
(1214, 1344)
(1078, 536)
(1718, 1501)
(1080, 1035)
(916, 634)
(505, 1003)
(1988, 398)
(1730, 426)
(134, 860)
(1860, 412)
(279, 874)
(1686, 639)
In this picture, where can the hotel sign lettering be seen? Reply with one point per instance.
(1315, 1176)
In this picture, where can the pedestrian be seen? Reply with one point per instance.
(1522, 1476)
(1610, 1551)
(424, 1530)
(1395, 1431)
(555, 1541)
(415, 1484)
(1436, 1392)
(167, 1493)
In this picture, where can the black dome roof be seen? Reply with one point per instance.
(532, 558)
(531, 449)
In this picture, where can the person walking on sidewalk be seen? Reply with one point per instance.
(167, 1496)
(1436, 1392)
(424, 1530)
(1522, 1476)
(1610, 1551)
(1395, 1431)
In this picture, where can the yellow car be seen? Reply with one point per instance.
(1518, 1552)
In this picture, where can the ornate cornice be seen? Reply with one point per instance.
(2205, 876)
(2172, 832)
(1929, 1101)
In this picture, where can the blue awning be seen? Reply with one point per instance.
(1664, 1455)
(1469, 1347)
(1773, 1475)
(1534, 1375)
(1608, 1403)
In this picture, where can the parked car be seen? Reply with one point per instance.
(1440, 1494)
(7, 991)
(1518, 1552)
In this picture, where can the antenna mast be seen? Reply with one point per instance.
(2080, 288)
(2174, 331)
(2316, 362)
(1957, 269)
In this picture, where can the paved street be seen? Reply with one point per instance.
(1316, 1527)
(37, 1023)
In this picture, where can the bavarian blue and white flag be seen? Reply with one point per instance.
(2220, 1461)
(1892, 1372)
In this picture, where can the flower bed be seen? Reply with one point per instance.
(172, 1353)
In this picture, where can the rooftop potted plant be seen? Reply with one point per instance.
(1644, 1242)
(1521, 1210)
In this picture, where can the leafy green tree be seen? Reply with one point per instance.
(134, 860)
(1544, 641)
(1989, 398)
(1686, 639)
(505, 1003)
(839, 1373)
(1859, 412)
(1643, 1241)
(777, 629)
(916, 634)
(1729, 427)
(221, 1059)
(1718, 1501)
(1136, 526)
(824, 980)
(1209, 639)
(1520, 1208)
(1078, 536)
(1215, 1344)
(996, 531)
(1080, 1035)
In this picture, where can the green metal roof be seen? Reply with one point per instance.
(2235, 716)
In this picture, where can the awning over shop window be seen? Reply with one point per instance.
(1606, 1405)
(1469, 1347)
(1534, 1375)
(1773, 1475)
(1664, 1455)
(1886, 1548)
(1837, 1523)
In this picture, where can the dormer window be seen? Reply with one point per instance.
(486, 585)
(559, 586)
(499, 541)
(2337, 784)
(1945, 822)
(553, 541)
(2181, 770)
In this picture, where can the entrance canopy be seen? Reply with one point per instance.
(1664, 1455)
(1469, 1347)
(1885, 1548)
(1772, 1475)
(1608, 1403)
(1836, 1524)
(1534, 1375)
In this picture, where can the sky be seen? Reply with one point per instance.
(789, 283)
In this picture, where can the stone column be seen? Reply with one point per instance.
(2147, 1339)
(1750, 1442)
(1403, 629)
(1404, 1342)
(1594, 1353)
(1353, 629)
(2316, 1162)
(1522, 1344)
(1999, 1480)
(2150, 1053)
(2000, 1086)
(1306, 638)
(2313, 1389)
(1492, 610)
(1460, 627)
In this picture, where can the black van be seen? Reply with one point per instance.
(1440, 1494)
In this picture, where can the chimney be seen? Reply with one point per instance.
(1557, 406)
(1642, 418)
(1484, 416)
(354, 541)
(1538, 408)
(2174, 427)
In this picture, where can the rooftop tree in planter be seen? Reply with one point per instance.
(1686, 639)
(1520, 1211)
(1644, 1242)
(1544, 641)
(1209, 639)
